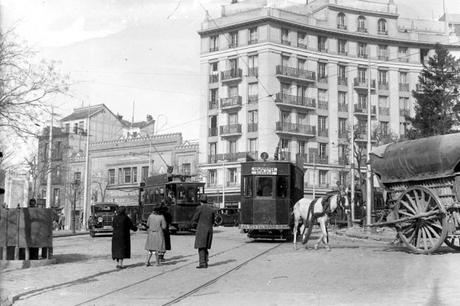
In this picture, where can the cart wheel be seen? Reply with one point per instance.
(453, 241)
(426, 234)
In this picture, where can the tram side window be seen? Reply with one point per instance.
(282, 186)
(264, 186)
(170, 194)
(191, 193)
(248, 182)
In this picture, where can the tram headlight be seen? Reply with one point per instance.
(100, 219)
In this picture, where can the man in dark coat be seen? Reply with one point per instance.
(121, 240)
(164, 211)
(204, 219)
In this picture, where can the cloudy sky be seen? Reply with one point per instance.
(144, 51)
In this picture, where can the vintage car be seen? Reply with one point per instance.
(227, 217)
(101, 218)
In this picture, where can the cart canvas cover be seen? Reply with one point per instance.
(421, 159)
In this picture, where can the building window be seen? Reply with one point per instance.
(362, 75)
(322, 70)
(75, 128)
(77, 177)
(213, 72)
(362, 50)
(322, 43)
(252, 121)
(302, 119)
(403, 77)
(232, 175)
(213, 43)
(212, 126)
(285, 37)
(144, 173)
(322, 126)
(382, 76)
(212, 177)
(384, 130)
(213, 148)
(253, 36)
(342, 101)
(384, 106)
(302, 40)
(186, 169)
(80, 127)
(134, 174)
(233, 39)
(402, 54)
(67, 127)
(213, 96)
(382, 26)
(342, 128)
(362, 101)
(232, 146)
(383, 53)
(342, 150)
(404, 107)
(253, 93)
(252, 145)
(341, 21)
(342, 47)
(127, 175)
(322, 97)
(233, 65)
(111, 178)
(362, 24)
(253, 65)
(323, 178)
(284, 61)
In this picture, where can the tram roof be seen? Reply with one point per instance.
(421, 159)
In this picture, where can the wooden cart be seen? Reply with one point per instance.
(423, 181)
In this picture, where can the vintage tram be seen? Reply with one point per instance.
(177, 192)
(269, 190)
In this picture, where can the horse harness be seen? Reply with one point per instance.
(325, 204)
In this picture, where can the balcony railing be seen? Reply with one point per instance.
(342, 52)
(213, 49)
(404, 112)
(383, 57)
(295, 100)
(212, 132)
(253, 41)
(322, 104)
(403, 86)
(230, 129)
(214, 78)
(341, 27)
(232, 74)
(403, 58)
(362, 55)
(362, 109)
(215, 158)
(343, 107)
(295, 73)
(252, 127)
(285, 42)
(382, 32)
(343, 134)
(383, 86)
(362, 30)
(212, 105)
(363, 83)
(302, 45)
(231, 102)
(385, 111)
(322, 159)
(322, 49)
(288, 127)
(343, 161)
(254, 72)
(233, 45)
(323, 132)
(342, 81)
(322, 79)
(253, 99)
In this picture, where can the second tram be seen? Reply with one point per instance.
(269, 190)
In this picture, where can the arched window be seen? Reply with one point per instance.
(362, 24)
(382, 26)
(341, 21)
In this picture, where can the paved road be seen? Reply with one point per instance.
(241, 272)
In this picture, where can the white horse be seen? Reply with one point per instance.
(309, 210)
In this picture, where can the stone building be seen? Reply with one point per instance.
(296, 75)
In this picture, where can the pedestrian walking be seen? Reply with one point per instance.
(155, 242)
(61, 221)
(168, 218)
(204, 220)
(121, 240)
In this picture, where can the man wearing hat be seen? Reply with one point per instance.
(204, 220)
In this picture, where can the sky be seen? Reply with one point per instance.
(140, 55)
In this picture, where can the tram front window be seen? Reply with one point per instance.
(264, 186)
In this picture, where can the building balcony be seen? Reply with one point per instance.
(403, 58)
(362, 137)
(404, 87)
(213, 105)
(285, 42)
(341, 27)
(253, 41)
(322, 104)
(384, 111)
(361, 84)
(315, 159)
(361, 30)
(231, 157)
(343, 135)
(213, 49)
(383, 57)
(212, 132)
(230, 103)
(213, 78)
(233, 45)
(253, 99)
(323, 133)
(302, 45)
(383, 86)
(362, 55)
(404, 112)
(322, 49)
(294, 129)
(343, 108)
(361, 110)
(296, 74)
(304, 103)
(232, 75)
(230, 130)
(342, 81)
(252, 127)
(382, 32)
(342, 52)
(253, 72)
(343, 161)
(322, 79)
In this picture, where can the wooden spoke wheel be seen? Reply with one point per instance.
(427, 229)
(453, 241)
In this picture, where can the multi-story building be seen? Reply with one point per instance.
(298, 76)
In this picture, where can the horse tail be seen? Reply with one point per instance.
(309, 222)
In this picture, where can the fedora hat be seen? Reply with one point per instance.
(203, 198)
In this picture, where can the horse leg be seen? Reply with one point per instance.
(321, 237)
(296, 224)
(325, 234)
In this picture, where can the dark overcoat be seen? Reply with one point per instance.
(121, 240)
(167, 234)
(204, 218)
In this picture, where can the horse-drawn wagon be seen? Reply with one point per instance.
(422, 178)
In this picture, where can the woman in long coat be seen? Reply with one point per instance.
(121, 239)
(155, 242)
(168, 218)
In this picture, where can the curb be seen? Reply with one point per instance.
(56, 235)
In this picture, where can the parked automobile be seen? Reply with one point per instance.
(227, 217)
(101, 218)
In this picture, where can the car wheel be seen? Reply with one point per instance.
(218, 221)
(92, 234)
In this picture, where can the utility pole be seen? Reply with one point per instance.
(314, 175)
(368, 163)
(50, 155)
(223, 184)
(87, 176)
(352, 163)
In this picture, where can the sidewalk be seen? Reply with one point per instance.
(384, 234)
(67, 233)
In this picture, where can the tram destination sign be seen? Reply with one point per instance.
(264, 171)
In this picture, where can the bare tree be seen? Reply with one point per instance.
(102, 183)
(25, 87)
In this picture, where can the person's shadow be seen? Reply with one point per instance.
(221, 262)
